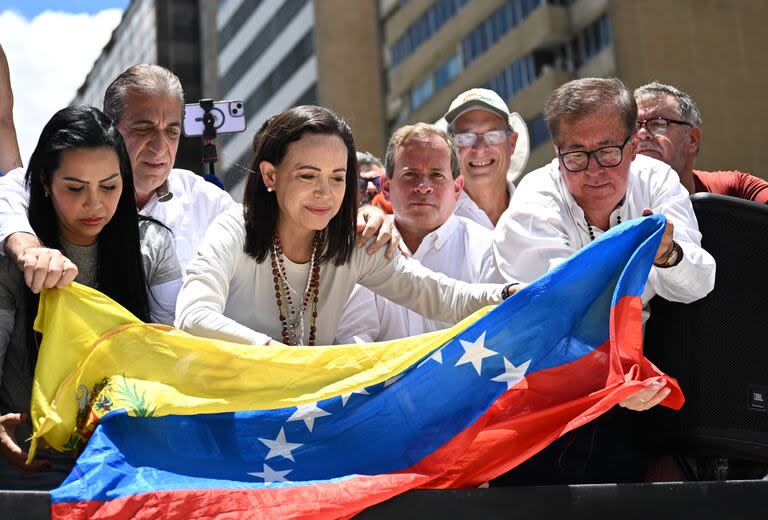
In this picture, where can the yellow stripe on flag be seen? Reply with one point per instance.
(96, 357)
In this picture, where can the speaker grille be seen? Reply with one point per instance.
(716, 346)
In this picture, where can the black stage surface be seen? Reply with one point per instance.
(732, 500)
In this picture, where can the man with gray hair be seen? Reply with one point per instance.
(669, 129)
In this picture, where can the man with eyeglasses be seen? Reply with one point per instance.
(596, 182)
(669, 129)
(493, 149)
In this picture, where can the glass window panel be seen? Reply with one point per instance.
(517, 10)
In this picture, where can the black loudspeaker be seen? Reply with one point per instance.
(717, 347)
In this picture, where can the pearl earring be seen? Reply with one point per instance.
(270, 189)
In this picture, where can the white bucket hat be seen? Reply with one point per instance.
(485, 99)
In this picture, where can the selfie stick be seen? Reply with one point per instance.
(209, 134)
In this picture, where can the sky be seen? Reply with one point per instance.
(51, 47)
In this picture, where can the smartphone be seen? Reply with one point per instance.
(228, 117)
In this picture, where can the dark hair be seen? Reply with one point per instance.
(588, 96)
(260, 206)
(368, 159)
(420, 131)
(120, 272)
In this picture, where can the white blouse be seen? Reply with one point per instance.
(227, 295)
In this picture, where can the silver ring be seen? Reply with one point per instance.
(643, 401)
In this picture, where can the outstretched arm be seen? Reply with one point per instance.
(10, 157)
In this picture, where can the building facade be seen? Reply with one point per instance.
(384, 63)
(162, 32)
(524, 49)
(275, 54)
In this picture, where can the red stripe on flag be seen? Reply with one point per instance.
(523, 421)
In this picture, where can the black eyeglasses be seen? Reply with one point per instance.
(363, 183)
(659, 125)
(607, 157)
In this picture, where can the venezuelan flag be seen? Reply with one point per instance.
(180, 427)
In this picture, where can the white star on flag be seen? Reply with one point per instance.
(512, 375)
(437, 356)
(345, 397)
(269, 475)
(475, 352)
(280, 447)
(307, 413)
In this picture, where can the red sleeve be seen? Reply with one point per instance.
(734, 184)
(752, 188)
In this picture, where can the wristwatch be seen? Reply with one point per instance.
(674, 257)
(505, 291)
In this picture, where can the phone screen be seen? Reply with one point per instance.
(228, 117)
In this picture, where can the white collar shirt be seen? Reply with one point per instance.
(459, 248)
(468, 208)
(189, 208)
(544, 226)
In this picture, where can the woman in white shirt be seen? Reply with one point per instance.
(280, 268)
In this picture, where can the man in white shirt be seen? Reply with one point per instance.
(493, 149)
(597, 181)
(422, 166)
(147, 103)
(594, 183)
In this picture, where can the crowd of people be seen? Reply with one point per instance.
(311, 256)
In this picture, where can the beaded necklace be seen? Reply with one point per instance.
(589, 226)
(291, 317)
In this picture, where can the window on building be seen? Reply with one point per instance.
(449, 69)
(276, 79)
(493, 28)
(514, 78)
(424, 28)
(591, 40)
(259, 44)
(422, 92)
